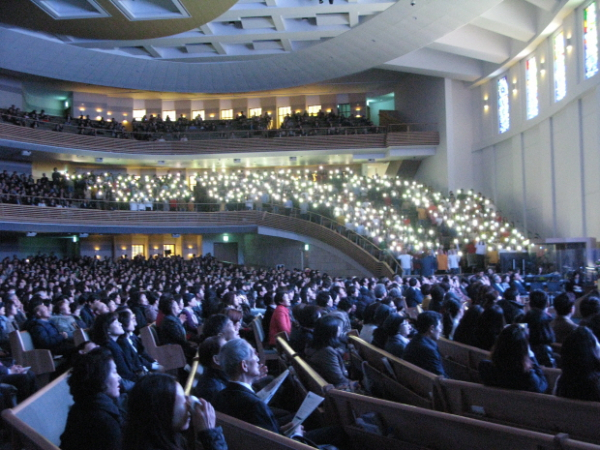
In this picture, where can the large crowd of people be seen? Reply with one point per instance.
(155, 128)
(405, 217)
(113, 300)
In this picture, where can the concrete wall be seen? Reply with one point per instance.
(421, 99)
(11, 92)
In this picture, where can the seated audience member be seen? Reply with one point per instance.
(62, 318)
(219, 325)
(490, 324)
(132, 345)
(302, 335)
(452, 314)
(241, 364)
(580, 378)
(280, 321)
(588, 307)
(369, 325)
(23, 379)
(465, 331)
(94, 421)
(413, 297)
(138, 305)
(541, 334)
(105, 333)
(564, 305)
(213, 379)
(44, 333)
(379, 336)
(171, 330)
(513, 365)
(8, 324)
(325, 353)
(511, 305)
(437, 298)
(158, 412)
(422, 350)
(397, 329)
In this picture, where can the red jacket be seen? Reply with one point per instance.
(279, 322)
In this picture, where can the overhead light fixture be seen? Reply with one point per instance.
(31, 234)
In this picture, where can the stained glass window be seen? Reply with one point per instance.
(590, 40)
(532, 87)
(560, 72)
(503, 105)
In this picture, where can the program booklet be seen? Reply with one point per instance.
(310, 403)
(267, 393)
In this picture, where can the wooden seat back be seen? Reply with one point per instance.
(419, 385)
(259, 338)
(40, 360)
(38, 421)
(80, 336)
(539, 412)
(170, 356)
(461, 360)
(410, 427)
(244, 436)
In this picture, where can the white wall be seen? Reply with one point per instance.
(543, 172)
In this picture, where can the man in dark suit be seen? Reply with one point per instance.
(422, 350)
(241, 364)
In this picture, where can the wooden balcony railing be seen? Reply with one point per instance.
(359, 248)
(351, 138)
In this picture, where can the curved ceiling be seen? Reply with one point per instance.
(112, 19)
(260, 45)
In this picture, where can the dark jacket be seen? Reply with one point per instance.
(532, 381)
(511, 309)
(171, 331)
(240, 402)
(422, 351)
(329, 363)
(413, 297)
(211, 382)
(94, 423)
(126, 367)
(44, 334)
(585, 387)
(395, 345)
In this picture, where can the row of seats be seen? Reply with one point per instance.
(370, 422)
(393, 378)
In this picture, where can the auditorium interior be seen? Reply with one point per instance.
(493, 102)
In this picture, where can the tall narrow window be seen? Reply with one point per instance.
(137, 250)
(227, 114)
(560, 72)
(532, 87)
(503, 105)
(171, 114)
(255, 112)
(198, 112)
(590, 40)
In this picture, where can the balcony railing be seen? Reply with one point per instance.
(223, 141)
(106, 214)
